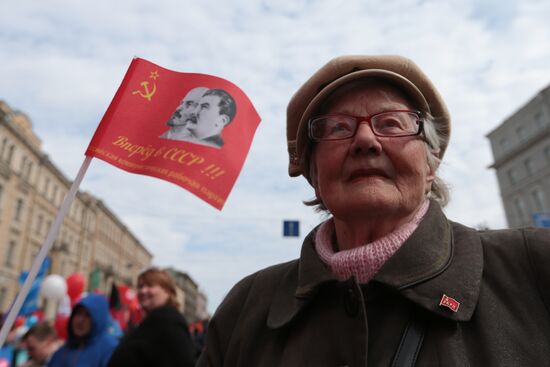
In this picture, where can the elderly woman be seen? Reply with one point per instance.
(162, 338)
(387, 280)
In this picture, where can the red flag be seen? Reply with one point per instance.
(193, 130)
(450, 303)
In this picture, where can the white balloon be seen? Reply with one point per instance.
(54, 287)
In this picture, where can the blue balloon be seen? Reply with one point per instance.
(31, 321)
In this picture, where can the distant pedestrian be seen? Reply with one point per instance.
(88, 344)
(41, 342)
(162, 338)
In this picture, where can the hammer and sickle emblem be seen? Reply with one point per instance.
(146, 93)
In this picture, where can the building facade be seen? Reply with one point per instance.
(191, 293)
(92, 239)
(202, 307)
(521, 153)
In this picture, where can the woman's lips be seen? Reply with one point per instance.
(367, 173)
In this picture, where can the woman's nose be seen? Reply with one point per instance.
(365, 141)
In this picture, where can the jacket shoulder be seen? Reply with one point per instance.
(520, 255)
(537, 244)
(262, 283)
(248, 302)
(165, 315)
(517, 239)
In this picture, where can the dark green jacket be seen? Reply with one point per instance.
(298, 314)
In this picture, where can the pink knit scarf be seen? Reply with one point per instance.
(363, 262)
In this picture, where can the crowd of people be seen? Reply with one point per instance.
(91, 336)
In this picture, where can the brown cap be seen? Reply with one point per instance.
(397, 70)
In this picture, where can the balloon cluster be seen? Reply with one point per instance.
(55, 287)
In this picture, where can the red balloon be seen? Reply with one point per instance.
(128, 295)
(60, 325)
(39, 314)
(75, 285)
(19, 321)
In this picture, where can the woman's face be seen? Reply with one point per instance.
(369, 176)
(151, 296)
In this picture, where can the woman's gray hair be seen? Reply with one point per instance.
(433, 139)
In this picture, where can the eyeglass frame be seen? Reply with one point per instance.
(368, 119)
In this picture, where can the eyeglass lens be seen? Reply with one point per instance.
(392, 123)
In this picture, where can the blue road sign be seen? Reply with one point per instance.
(542, 220)
(291, 228)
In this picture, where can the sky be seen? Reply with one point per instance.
(62, 62)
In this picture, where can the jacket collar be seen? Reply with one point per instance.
(430, 265)
(427, 266)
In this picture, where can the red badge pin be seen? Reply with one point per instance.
(449, 302)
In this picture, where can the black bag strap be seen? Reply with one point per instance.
(411, 342)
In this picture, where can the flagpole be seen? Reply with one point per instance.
(44, 250)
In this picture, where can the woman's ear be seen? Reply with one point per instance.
(430, 177)
(313, 171)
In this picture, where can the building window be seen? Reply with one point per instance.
(39, 221)
(520, 131)
(3, 292)
(10, 254)
(29, 171)
(3, 148)
(512, 176)
(538, 199)
(54, 195)
(528, 163)
(520, 209)
(539, 119)
(23, 165)
(46, 186)
(18, 210)
(10, 154)
(503, 143)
